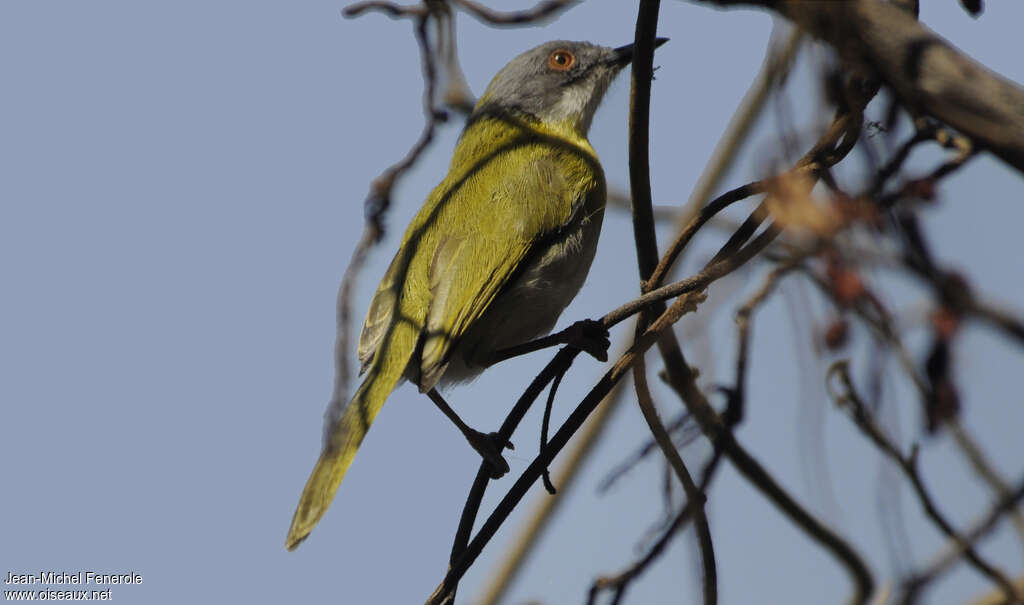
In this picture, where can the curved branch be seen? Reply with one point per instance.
(695, 497)
(540, 12)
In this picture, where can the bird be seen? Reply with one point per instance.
(497, 251)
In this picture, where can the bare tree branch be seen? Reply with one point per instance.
(543, 10)
(930, 76)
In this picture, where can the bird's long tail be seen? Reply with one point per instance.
(345, 434)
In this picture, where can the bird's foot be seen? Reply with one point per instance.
(490, 446)
(590, 336)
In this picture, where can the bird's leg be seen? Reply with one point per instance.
(489, 446)
(586, 335)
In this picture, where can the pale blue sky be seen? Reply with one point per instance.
(182, 186)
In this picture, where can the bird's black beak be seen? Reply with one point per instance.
(624, 54)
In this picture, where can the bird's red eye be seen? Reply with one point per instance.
(561, 60)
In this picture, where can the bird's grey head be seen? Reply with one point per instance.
(558, 82)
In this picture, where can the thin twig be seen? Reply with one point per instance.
(541, 11)
(914, 583)
(851, 401)
(683, 426)
(831, 148)
(981, 465)
(546, 504)
(720, 432)
(703, 216)
(620, 581)
(395, 11)
(557, 366)
(572, 424)
(695, 497)
(777, 61)
(544, 425)
(377, 203)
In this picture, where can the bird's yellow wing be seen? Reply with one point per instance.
(491, 212)
(378, 317)
(511, 215)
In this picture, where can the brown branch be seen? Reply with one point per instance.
(557, 366)
(547, 505)
(620, 581)
(540, 12)
(684, 430)
(998, 318)
(703, 216)
(833, 147)
(695, 497)
(377, 203)
(984, 468)
(639, 137)
(777, 61)
(395, 11)
(997, 597)
(927, 73)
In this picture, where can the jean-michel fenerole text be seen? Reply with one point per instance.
(80, 577)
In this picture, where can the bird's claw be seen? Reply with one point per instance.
(489, 446)
(590, 336)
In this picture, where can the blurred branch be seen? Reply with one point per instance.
(391, 9)
(927, 73)
(849, 400)
(777, 61)
(981, 465)
(540, 12)
(620, 581)
(682, 426)
(831, 148)
(914, 583)
(997, 597)
(743, 323)
(754, 472)
(375, 208)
